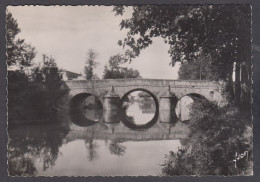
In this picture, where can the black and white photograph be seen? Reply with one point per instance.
(142, 90)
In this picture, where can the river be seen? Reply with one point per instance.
(94, 145)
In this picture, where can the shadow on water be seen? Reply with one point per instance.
(30, 143)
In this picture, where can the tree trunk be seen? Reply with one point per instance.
(237, 85)
(245, 60)
(245, 87)
(230, 88)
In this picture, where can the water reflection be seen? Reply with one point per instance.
(139, 114)
(99, 149)
(139, 110)
(91, 108)
(91, 147)
(86, 109)
(28, 144)
(89, 141)
(116, 148)
(139, 107)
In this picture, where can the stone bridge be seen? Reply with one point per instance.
(158, 88)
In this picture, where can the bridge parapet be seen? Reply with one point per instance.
(137, 82)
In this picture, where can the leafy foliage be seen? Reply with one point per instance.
(217, 30)
(47, 73)
(114, 71)
(199, 69)
(19, 54)
(31, 89)
(33, 98)
(216, 135)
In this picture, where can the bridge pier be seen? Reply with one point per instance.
(111, 107)
(111, 116)
(167, 107)
(167, 116)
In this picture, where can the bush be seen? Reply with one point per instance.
(216, 135)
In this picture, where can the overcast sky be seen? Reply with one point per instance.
(68, 32)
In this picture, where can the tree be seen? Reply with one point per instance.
(20, 57)
(216, 135)
(52, 78)
(47, 73)
(114, 71)
(221, 31)
(31, 91)
(90, 64)
(199, 69)
(19, 54)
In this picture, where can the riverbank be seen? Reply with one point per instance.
(217, 136)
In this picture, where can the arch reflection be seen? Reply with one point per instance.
(140, 109)
(85, 109)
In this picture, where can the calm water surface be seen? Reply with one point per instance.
(97, 148)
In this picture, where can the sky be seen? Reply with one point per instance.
(67, 33)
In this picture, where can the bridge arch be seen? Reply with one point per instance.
(131, 125)
(182, 109)
(77, 105)
(74, 101)
(194, 96)
(143, 90)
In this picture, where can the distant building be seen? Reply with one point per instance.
(68, 75)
